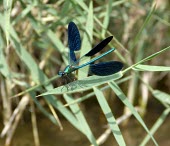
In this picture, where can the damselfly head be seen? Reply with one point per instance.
(61, 73)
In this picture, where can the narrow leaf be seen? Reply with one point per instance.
(87, 41)
(83, 85)
(109, 116)
(162, 96)
(141, 67)
(125, 100)
(157, 124)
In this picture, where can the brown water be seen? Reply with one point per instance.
(50, 135)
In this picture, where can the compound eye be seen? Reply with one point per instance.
(60, 73)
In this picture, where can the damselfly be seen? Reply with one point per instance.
(100, 69)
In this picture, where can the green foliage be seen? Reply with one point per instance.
(33, 47)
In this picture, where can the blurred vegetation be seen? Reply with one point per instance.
(33, 48)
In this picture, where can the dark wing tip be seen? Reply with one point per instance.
(110, 38)
(99, 46)
(71, 24)
(106, 68)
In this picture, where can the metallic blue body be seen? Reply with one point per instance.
(101, 69)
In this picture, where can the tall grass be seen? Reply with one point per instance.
(33, 48)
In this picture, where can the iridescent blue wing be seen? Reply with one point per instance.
(74, 41)
(105, 68)
(99, 47)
